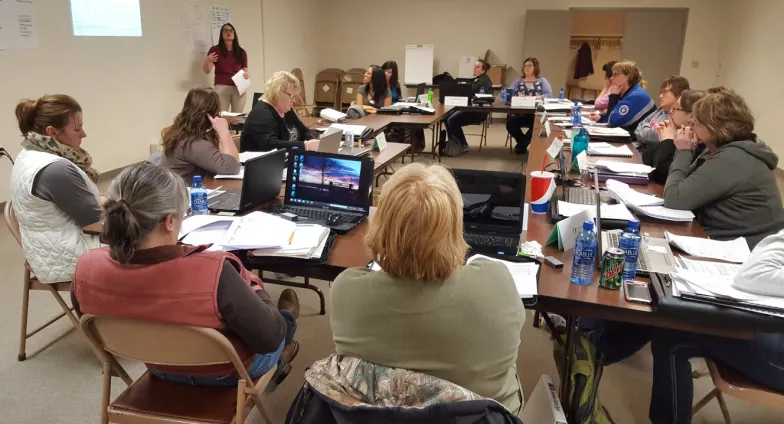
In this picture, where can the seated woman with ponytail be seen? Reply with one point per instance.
(144, 274)
(53, 187)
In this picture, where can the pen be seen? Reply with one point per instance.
(291, 238)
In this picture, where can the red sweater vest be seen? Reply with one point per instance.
(177, 291)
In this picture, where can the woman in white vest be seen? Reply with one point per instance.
(53, 189)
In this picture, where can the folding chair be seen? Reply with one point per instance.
(483, 133)
(349, 85)
(731, 382)
(301, 105)
(30, 282)
(326, 93)
(152, 400)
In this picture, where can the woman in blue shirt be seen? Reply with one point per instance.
(390, 71)
(530, 84)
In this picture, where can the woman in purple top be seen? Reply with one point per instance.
(228, 58)
(603, 99)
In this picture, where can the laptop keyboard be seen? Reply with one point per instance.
(321, 214)
(614, 240)
(585, 196)
(475, 239)
(227, 202)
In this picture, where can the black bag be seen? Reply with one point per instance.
(450, 148)
(445, 77)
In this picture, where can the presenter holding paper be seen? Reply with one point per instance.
(228, 58)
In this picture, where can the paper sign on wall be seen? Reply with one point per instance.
(17, 25)
(195, 32)
(220, 15)
(528, 102)
(455, 101)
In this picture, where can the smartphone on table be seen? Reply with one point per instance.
(637, 292)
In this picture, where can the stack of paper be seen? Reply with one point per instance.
(646, 204)
(717, 289)
(617, 211)
(357, 130)
(731, 251)
(715, 268)
(523, 273)
(257, 230)
(307, 242)
(598, 131)
(238, 176)
(606, 149)
(246, 156)
(623, 167)
(332, 115)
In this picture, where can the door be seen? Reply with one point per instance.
(654, 39)
(547, 39)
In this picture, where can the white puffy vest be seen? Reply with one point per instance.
(51, 240)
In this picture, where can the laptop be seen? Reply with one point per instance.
(260, 183)
(579, 196)
(420, 90)
(493, 207)
(655, 254)
(329, 189)
(330, 141)
(456, 90)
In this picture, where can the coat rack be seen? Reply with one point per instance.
(596, 42)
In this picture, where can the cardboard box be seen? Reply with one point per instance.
(543, 406)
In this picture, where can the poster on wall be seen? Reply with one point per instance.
(195, 32)
(17, 25)
(220, 16)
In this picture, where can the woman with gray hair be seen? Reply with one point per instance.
(145, 274)
(273, 124)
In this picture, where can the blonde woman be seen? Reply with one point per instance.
(426, 311)
(273, 124)
(730, 187)
(628, 102)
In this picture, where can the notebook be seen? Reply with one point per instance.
(606, 149)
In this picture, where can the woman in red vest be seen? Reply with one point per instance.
(145, 274)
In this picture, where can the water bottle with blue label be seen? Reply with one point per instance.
(584, 254)
(561, 95)
(630, 244)
(576, 118)
(198, 197)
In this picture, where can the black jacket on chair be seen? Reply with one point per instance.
(265, 130)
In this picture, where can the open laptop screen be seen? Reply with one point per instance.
(492, 201)
(329, 180)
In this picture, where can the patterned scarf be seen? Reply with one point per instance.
(79, 157)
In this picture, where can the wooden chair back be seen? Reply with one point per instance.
(349, 85)
(327, 88)
(12, 222)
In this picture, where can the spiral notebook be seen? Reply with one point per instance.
(607, 149)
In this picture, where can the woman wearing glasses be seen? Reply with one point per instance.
(671, 89)
(730, 187)
(273, 124)
(228, 58)
(628, 103)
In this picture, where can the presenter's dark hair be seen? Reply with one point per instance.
(378, 81)
(236, 50)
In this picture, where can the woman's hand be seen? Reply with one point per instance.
(212, 57)
(595, 116)
(312, 145)
(614, 89)
(220, 125)
(538, 97)
(666, 130)
(246, 75)
(370, 109)
(684, 139)
(606, 84)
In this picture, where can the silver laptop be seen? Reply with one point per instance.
(655, 253)
(330, 141)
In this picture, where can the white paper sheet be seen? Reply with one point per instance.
(246, 156)
(258, 230)
(621, 192)
(616, 211)
(666, 214)
(731, 251)
(195, 222)
(238, 176)
(606, 149)
(607, 131)
(242, 84)
(714, 268)
(523, 273)
(18, 27)
(220, 15)
(622, 167)
(195, 32)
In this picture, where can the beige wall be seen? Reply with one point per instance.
(752, 60)
(468, 27)
(598, 23)
(131, 87)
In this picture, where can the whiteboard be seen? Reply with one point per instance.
(419, 64)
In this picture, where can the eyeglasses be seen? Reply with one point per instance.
(291, 96)
(228, 30)
(616, 74)
(676, 109)
(696, 123)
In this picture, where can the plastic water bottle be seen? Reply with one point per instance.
(561, 95)
(579, 145)
(430, 97)
(630, 244)
(198, 197)
(584, 254)
(576, 118)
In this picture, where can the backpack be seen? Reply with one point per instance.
(450, 148)
(445, 77)
(585, 375)
(355, 112)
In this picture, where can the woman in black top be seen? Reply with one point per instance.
(660, 155)
(273, 124)
(390, 71)
(374, 93)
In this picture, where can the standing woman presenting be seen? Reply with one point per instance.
(228, 58)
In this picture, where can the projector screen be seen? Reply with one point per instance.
(106, 18)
